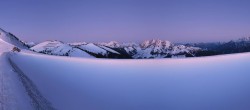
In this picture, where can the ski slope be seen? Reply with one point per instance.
(207, 83)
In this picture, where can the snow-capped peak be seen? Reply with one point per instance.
(30, 44)
(156, 43)
(59, 48)
(112, 44)
(47, 45)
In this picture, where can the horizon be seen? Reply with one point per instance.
(181, 21)
(126, 42)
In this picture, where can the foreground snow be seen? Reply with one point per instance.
(208, 83)
(12, 93)
(33, 81)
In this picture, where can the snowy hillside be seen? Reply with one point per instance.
(213, 83)
(93, 49)
(12, 39)
(59, 48)
(12, 93)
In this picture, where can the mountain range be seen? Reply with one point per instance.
(147, 49)
(154, 48)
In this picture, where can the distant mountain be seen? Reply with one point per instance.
(163, 49)
(100, 50)
(111, 44)
(87, 50)
(59, 48)
(233, 46)
(147, 49)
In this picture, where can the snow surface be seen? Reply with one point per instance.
(207, 83)
(12, 93)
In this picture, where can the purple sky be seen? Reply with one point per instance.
(126, 20)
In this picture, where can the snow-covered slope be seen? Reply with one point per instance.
(10, 38)
(207, 83)
(90, 47)
(109, 49)
(98, 49)
(12, 93)
(59, 48)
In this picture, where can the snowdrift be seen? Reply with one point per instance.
(207, 83)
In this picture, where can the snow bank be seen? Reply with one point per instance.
(208, 83)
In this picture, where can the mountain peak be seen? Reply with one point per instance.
(112, 44)
(156, 43)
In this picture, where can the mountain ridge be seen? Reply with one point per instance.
(151, 49)
(154, 48)
(12, 39)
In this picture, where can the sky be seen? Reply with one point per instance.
(126, 20)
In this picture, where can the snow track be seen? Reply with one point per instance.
(38, 101)
(12, 92)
